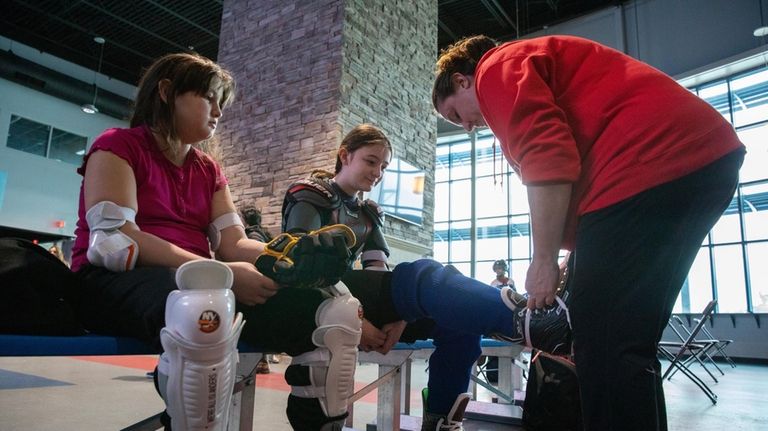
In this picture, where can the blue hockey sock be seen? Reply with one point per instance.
(426, 288)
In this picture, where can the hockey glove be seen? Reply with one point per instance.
(317, 259)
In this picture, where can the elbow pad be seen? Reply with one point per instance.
(108, 247)
(222, 222)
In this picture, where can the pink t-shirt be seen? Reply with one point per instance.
(174, 202)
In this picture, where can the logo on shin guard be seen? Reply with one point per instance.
(209, 321)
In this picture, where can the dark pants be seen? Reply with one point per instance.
(629, 264)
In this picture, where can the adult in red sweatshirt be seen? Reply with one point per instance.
(623, 167)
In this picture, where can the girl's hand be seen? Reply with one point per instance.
(250, 286)
(372, 337)
(394, 331)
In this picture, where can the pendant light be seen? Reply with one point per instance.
(90, 108)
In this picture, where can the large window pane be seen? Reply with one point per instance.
(460, 241)
(460, 200)
(484, 271)
(461, 160)
(518, 196)
(758, 276)
(442, 162)
(755, 208)
(728, 227)
(28, 136)
(491, 239)
(67, 147)
(755, 165)
(517, 272)
(699, 284)
(440, 248)
(442, 199)
(749, 97)
(490, 198)
(729, 271)
(520, 236)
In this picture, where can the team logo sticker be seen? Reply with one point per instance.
(209, 321)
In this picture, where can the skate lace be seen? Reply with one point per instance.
(527, 325)
(446, 425)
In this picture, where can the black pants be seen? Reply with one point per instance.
(629, 264)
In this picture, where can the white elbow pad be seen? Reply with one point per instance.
(373, 255)
(108, 247)
(222, 222)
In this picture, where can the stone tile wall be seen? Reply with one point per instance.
(310, 70)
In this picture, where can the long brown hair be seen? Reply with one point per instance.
(461, 57)
(361, 136)
(186, 72)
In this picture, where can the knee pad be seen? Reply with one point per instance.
(197, 370)
(332, 365)
(108, 247)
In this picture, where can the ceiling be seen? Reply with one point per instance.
(138, 31)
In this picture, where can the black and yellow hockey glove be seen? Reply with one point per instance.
(316, 259)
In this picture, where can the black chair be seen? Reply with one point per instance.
(720, 346)
(679, 354)
(703, 355)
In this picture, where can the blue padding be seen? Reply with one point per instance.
(83, 345)
(87, 345)
(427, 344)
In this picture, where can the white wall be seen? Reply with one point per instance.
(39, 191)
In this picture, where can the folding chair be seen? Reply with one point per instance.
(720, 346)
(675, 353)
(708, 345)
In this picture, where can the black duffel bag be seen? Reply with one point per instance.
(552, 400)
(37, 290)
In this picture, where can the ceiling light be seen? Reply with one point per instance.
(90, 108)
(761, 31)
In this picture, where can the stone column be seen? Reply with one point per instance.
(308, 71)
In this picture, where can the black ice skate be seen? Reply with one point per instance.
(547, 329)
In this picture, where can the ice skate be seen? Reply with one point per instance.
(450, 422)
(547, 329)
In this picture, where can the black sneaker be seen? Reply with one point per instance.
(450, 422)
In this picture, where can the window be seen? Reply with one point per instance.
(492, 203)
(46, 141)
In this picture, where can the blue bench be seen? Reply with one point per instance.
(393, 390)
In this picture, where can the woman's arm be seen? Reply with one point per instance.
(109, 178)
(549, 207)
(235, 246)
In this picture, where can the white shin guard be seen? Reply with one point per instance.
(197, 370)
(332, 365)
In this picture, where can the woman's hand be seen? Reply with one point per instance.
(394, 331)
(372, 337)
(250, 286)
(541, 283)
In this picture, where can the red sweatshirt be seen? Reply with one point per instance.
(567, 109)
